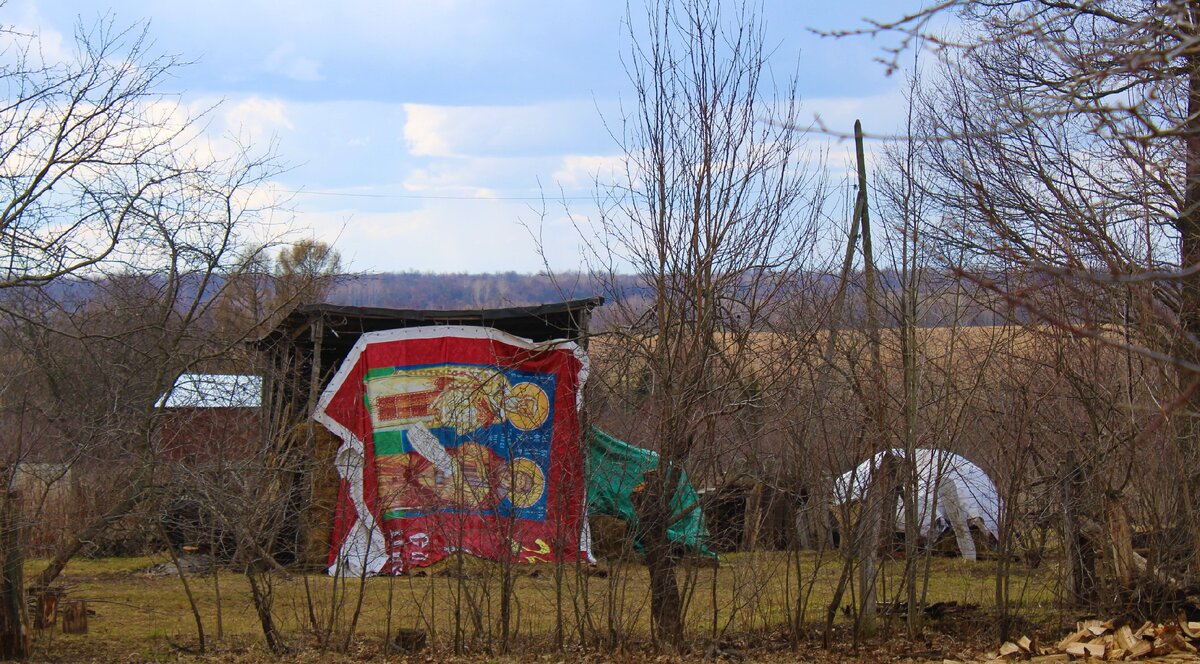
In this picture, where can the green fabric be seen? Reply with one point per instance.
(616, 470)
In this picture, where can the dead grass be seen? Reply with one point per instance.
(143, 618)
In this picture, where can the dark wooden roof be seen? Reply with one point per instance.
(339, 327)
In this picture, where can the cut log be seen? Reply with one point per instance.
(75, 617)
(1177, 643)
(1074, 638)
(1098, 628)
(1009, 649)
(1189, 629)
(1139, 649)
(1080, 649)
(1124, 638)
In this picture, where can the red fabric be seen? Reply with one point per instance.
(477, 507)
(344, 518)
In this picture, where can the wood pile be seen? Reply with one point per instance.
(1110, 641)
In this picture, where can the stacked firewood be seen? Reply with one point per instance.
(1109, 641)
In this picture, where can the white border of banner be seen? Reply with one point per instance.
(364, 551)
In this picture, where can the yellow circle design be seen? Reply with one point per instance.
(526, 406)
(523, 481)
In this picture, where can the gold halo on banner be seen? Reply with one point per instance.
(523, 481)
(526, 406)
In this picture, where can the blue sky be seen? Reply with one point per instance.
(420, 135)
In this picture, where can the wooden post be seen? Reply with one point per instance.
(75, 617)
(877, 410)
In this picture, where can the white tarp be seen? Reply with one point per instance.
(960, 490)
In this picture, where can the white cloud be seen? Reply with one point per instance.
(440, 236)
(539, 129)
(508, 91)
(583, 172)
(286, 61)
(30, 29)
(256, 118)
(881, 115)
(426, 130)
(479, 176)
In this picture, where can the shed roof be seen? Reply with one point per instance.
(305, 349)
(342, 325)
(197, 390)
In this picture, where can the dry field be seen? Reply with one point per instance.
(143, 617)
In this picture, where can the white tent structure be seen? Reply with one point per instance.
(959, 491)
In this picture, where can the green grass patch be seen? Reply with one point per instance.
(751, 592)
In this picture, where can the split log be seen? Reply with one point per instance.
(1074, 637)
(1124, 638)
(1139, 649)
(47, 610)
(1080, 649)
(1009, 649)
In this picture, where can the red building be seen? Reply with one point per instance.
(211, 417)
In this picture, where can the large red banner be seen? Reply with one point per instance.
(456, 438)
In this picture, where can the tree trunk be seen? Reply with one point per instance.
(752, 518)
(89, 533)
(1079, 558)
(260, 593)
(1188, 227)
(654, 516)
(877, 519)
(666, 608)
(14, 633)
(1120, 536)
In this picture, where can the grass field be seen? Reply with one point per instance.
(142, 617)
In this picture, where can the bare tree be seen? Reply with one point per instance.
(82, 143)
(715, 214)
(118, 234)
(1061, 146)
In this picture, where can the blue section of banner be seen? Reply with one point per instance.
(508, 442)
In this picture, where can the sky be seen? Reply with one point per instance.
(441, 136)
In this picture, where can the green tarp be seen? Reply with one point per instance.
(615, 472)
